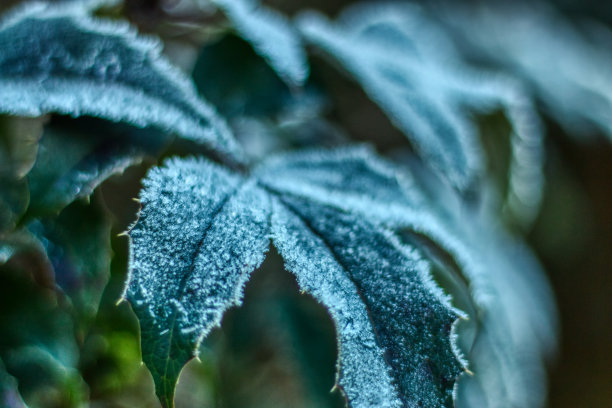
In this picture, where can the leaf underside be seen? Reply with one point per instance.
(203, 230)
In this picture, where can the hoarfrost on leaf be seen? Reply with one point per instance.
(200, 233)
(55, 58)
(408, 66)
(202, 230)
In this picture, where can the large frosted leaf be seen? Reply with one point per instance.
(57, 59)
(272, 36)
(202, 231)
(514, 319)
(411, 69)
(524, 38)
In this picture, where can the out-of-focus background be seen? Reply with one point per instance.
(279, 350)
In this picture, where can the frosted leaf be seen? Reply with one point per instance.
(200, 233)
(202, 230)
(55, 58)
(394, 333)
(411, 69)
(272, 37)
(514, 306)
(524, 38)
(318, 224)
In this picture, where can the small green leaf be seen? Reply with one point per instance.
(81, 267)
(37, 341)
(18, 147)
(73, 161)
(19, 144)
(55, 58)
(244, 84)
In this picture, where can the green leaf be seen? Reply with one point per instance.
(409, 67)
(73, 160)
(243, 83)
(203, 230)
(55, 58)
(44, 379)
(19, 144)
(81, 266)
(18, 147)
(272, 37)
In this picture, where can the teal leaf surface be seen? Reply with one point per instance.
(514, 318)
(55, 58)
(203, 230)
(272, 36)
(412, 70)
(394, 334)
(512, 333)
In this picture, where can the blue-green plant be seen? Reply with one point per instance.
(416, 254)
